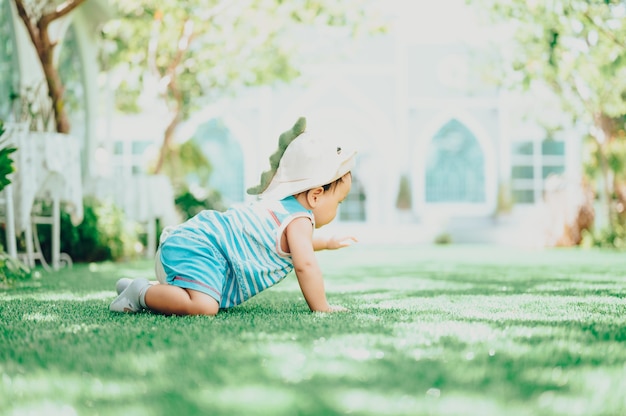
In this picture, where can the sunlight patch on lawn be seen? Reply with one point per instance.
(31, 393)
(430, 401)
(502, 308)
(370, 402)
(549, 308)
(143, 363)
(44, 407)
(39, 317)
(247, 399)
(294, 365)
(581, 286)
(59, 296)
(355, 347)
(132, 270)
(600, 388)
(77, 328)
(430, 333)
(395, 284)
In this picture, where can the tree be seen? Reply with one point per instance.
(194, 51)
(578, 49)
(37, 17)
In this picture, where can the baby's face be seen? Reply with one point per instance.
(326, 209)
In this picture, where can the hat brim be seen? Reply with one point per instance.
(278, 189)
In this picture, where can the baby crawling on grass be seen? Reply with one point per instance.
(219, 260)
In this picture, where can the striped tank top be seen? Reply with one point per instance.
(249, 239)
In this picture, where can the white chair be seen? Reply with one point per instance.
(8, 218)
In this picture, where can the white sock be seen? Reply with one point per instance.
(142, 295)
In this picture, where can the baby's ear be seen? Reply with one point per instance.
(283, 141)
(313, 194)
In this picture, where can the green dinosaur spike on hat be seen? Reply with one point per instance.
(283, 141)
(304, 161)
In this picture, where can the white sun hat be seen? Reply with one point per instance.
(308, 162)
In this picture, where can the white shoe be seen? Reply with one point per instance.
(122, 284)
(128, 300)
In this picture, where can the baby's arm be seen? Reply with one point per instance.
(333, 243)
(300, 239)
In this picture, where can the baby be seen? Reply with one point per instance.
(218, 260)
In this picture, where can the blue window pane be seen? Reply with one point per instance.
(226, 158)
(523, 148)
(118, 148)
(522, 172)
(139, 148)
(549, 170)
(524, 196)
(455, 169)
(353, 207)
(552, 147)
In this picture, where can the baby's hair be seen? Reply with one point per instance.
(330, 186)
(333, 184)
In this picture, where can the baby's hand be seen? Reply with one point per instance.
(335, 242)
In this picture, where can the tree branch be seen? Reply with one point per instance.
(21, 11)
(60, 11)
(606, 33)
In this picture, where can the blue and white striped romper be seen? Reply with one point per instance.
(233, 255)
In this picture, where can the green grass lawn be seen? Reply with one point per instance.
(433, 330)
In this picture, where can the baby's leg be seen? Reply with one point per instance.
(174, 300)
(124, 282)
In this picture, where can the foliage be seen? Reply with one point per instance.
(6, 161)
(32, 106)
(184, 160)
(443, 238)
(577, 49)
(229, 45)
(404, 200)
(191, 203)
(11, 269)
(104, 234)
(505, 198)
(605, 238)
(190, 53)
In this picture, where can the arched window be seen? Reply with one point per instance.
(71, 72)
(455, 171)
(9, 64)
(353, 207)
(226, 158)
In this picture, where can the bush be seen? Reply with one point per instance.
(443, 238)
(6, 161)
(190, 204)
(104, 234)
(605, 238)
(11, 269)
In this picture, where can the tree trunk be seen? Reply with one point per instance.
(606, 125)
(55, 90)
(186, 37)
(38, 32)
(168, 136)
